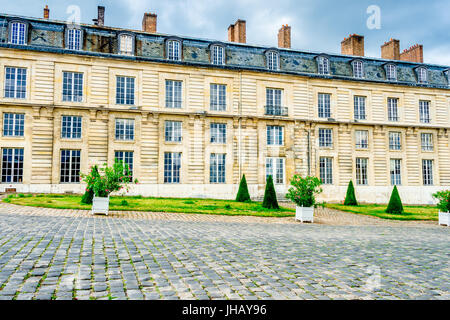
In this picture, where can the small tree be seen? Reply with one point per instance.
(395, 203)
(89, 193)
(444, 200)
(304, 190)
(350, 198)
(243, 195)
(270, 196)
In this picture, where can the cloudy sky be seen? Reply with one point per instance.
(317, 25)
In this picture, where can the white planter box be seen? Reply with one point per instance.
(304, 214)
(100, 205)
(444, 218)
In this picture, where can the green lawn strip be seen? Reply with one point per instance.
(376, 210)
(172, 205)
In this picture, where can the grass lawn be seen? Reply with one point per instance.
(377, 210)
(206, 206)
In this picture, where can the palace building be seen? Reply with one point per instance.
(190, 115)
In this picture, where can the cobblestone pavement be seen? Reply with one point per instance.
(83, 257)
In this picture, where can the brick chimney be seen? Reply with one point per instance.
(284, 37)
(149, 22)
(391, 50)
(413, 54)
(46, 12)
(236, 32)
(100, 21)
(353, 45)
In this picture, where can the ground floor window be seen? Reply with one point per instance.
(217, 168)
(396, 177)
(361, 171)
(70, 166)
(275, 168)
(12, 165)
(427, 172)
(172, 167)
(326, 170)
(127, 158)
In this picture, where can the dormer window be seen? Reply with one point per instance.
(391, 72)
(422, 75)
(74, 39)
(126, 44)
(358, 69)
(272, 60)
(218, 55)
(173, 50)
(447, 76)
(18, 33)
(323, 65)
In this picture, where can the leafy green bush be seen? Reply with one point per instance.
(228, 207)
(243, 195)
(444, 200)
(395, 203)
(21, 195)
(90, 179)
(270, 196)
(350, 198)
(124, 203)
(304, 190)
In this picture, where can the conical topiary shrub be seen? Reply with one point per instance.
(243, 195)
(350, 198)
(395, 203)
(270, 196)
(89, 193)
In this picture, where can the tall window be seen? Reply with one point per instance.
(323, 65)
(422, 75)
(218, 97)
(275, 168)
(217, 55)
(218, 133)
(396, 177)
(326, 170)
(391, 72)
(427, 172)
(125, 129)
(273, 101)
(173, 131)
(424, 111)
(173, 50)
(71, 127)
(13, 124)
(12, 165)
(447, 76)
(70, 166)
(125, 90)
(395, 141)
(427, 141)
(324, 105)
(172, 166)
(72, 86)
(126, 44)
(18, 33)
(173, 94)
(362, 139)
(358, 71)
(393, 109)
(74, 39)
(359, 107)
(325, 138)
(15, 82)
(127, 159)
(272, 59)
(275, 136)
(217, 168)
(361, 171)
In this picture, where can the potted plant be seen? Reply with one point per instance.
(113, 179)
(303, 193)
(444, 206)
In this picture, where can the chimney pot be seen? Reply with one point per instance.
(413, 54)
(353, 45)
(237, 32)
(149, 22)
(284, 37)
(46, 12)
(390, 50)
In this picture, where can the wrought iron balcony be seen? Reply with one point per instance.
(276, 111)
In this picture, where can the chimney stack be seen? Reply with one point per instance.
(100, 21)
(236, 32)
(353, 45)
(391, 50)
(46, 12)
(149, 22)
(284, 37)
(413, 54)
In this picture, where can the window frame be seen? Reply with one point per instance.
(216, 95)
(393, 116)
(81, 38)
(324, 106)
(173, 102)
(175, 168)
(362, 174)
(276, 169)
(16, 168)
(422, 75)
(180, 49)
(424, 105)
(360, 143)
(275, 135)
(72, 94)
(20, 125)
(120, 50)
(71, 127)
(17, 94)
(219, 131)
(326, 176)
(271, 64)
(358, 106)
(125, 160)
(71, 168)
(427, 173)
(170, 127)
(395, 143)
(126, 94)
(217, 168)
(427, 144)
(321, 59)
(126, 126)
(10, 35)
(391, 68)
(355, 64)
(395, 171)
(325, 143)
(214, 54)
(447, 76)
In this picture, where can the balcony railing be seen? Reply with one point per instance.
(276, 111)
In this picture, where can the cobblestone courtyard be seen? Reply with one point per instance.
(65, 257)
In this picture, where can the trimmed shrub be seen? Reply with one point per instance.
(270, 196)
(304, 190)
(350, 198)
(395, 203)
(243, 195)
(89, 193)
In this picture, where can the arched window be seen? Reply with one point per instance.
(217, 55)
(391, 72)
(422, 75)
(358, 69)
(173, 50)
(272, 60)
(18, 32)
(323, 65)
(126, 44)
(74, 38)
